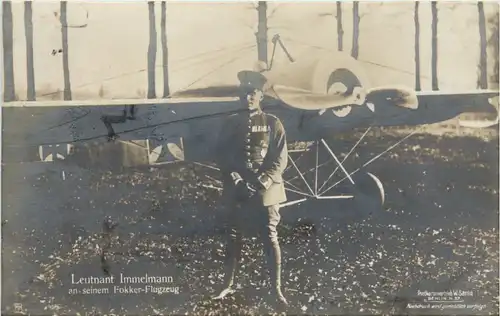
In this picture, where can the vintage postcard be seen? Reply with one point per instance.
(249, 158)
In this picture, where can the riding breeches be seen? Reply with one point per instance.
(254, 218)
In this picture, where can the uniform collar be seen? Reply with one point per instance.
(255, 112)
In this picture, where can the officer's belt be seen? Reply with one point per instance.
(253, 166)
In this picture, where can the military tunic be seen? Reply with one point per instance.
(255, 147)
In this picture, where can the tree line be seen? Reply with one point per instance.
(261, 39)
(482, 80)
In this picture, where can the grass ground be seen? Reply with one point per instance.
(438, 231)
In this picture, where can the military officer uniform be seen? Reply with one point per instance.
(252, 157)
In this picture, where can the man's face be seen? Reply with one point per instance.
(253, 99)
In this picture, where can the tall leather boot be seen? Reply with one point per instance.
(274, 265)
(275, 273)
(233, 256)
(273, 252)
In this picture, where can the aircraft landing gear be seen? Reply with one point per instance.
(363, 188)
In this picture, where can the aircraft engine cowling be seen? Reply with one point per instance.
(318, 81)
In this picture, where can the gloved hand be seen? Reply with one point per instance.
(244, 190)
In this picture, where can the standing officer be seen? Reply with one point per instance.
(252, 155)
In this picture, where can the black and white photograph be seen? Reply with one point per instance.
(250, 158)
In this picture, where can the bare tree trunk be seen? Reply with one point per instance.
(355, 30)
(9, 88)
(493, 43)
(340, 30)
(152, 51)
(166, 85)
(482, 80)
(435, 85)
(30, 66)
(262, 32)
(417, 48)
(65, 48)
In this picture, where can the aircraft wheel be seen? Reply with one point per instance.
(366, 200)
(368, 194)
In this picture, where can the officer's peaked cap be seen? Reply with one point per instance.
(251, 80)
